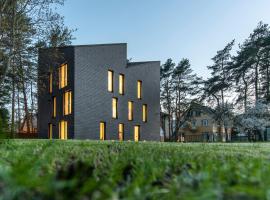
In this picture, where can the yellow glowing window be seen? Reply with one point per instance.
(121, 132)
(63, 130)
(144, 116)
(136, 133)
(130, 110)
(114, 108)
(67, 103)
(102, 131)
(63, 76)
(121, 84)
(50, 82)
(54, 107)
(50, 131)
(110, 81)
(139, 89)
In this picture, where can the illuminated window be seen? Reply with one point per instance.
(110, 81)
(121, 132)
(114, 108)
(50, 131)
(50, 82)
(144, 113)
(102, 130)
(63, 130)
(136, 133)
(63, 76)
(121, 84)
(67, 103)
(130, 110)
(54, 107)
(139, 89)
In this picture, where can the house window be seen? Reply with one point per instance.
(121, 84)
(130, 110)
(63, 76)
(50, 131)
(50, 82)
(63, 130)
(139, 89)
(193, 123)
(144, 111)
(121, 132)
(54, 107)
(204, 122)
(67, 103)
(136, 133)
(114, 108)
(102, 130)
(110, 80)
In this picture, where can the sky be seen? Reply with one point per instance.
(162, 29)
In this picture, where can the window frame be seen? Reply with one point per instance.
(63, 135)
(137, 134)
(54, 107)
(63, 75)
(114, 108)
(50, 82)
(67, 103)
(145, 113)
(102, 134)
(121, 131)
(121, 88)
(139, 89)
(110, 80)
(50, 131)
(130, 110)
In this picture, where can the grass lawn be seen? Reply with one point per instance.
(42, 169)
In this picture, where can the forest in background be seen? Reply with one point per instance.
(25, 26)
(238, 87)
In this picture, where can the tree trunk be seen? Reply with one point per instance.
(27, 117)
(245, 91)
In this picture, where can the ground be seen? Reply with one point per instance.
(43, 169)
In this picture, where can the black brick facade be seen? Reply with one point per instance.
(92, 103)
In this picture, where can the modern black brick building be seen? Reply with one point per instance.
(93, 92)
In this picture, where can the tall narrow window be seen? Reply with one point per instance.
(130, 110)
(54, 107)
(136, 133)
(121, 132)
(50, 131)
(121, 84)
(67, 103)
(110, 80)
(114, 108)
(63, 76)
(50, 82)
(63, 130)
(139, 89)
(144, 113)
(102, 130)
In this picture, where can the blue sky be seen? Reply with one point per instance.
(161, 29)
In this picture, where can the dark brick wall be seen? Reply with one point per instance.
(88, 73)
(53, 58)
(93, 103)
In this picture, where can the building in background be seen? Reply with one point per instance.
(200, 125)
(94, 92)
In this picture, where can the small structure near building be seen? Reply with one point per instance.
(31, 131)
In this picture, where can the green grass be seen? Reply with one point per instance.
(41, 169)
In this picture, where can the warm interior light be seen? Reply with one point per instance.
(121, 83)
(63, 76)
(121, 132)
(110, 81)
(136, 133)
(114, 108)
(63, 130)
(139, 89)
(130, 110)
(144, 113)
(102, 130)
